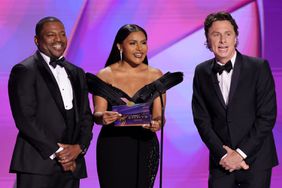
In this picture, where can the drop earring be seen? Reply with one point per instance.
(120, 54)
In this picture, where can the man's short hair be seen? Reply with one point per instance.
(43, 21)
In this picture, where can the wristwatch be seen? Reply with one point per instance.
(83, 149)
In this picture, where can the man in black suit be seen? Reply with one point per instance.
(49, 102)
(234, 109)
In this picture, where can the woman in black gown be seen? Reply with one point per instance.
(127, 157)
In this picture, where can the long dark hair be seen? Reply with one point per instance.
(121, 35)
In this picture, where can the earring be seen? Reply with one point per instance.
(120, 54)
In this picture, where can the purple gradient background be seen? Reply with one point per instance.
(176, 43)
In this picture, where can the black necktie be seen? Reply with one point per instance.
(54, 62)
(220, 68)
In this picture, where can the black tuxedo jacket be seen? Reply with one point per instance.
(40, 116)
(248, 119)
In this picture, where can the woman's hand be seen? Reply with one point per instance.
(154, 126)
(109, 117)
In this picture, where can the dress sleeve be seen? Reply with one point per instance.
(98, 87)
(161, 85)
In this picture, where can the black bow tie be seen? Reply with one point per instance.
(220, 68)
(55, 62)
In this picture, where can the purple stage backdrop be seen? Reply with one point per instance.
(176, 43)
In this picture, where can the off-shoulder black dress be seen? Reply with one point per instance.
(128, 157)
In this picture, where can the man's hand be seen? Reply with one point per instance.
(244, 166)
(69, 166)
(69, 153)
(233, 161)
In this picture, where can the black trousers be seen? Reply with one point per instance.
(56, 180)
(242, 179)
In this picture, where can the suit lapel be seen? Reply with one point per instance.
(50, 82)
(216, 85)
(235, 76)
(73, 76)
(75, 87)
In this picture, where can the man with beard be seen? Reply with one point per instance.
(49, 101)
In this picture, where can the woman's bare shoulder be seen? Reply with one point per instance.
(105, 74)
(155, 73)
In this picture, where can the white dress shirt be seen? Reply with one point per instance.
(63, 82)
(65, 87)
(224, 81)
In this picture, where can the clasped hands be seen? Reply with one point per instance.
(68, 155)
(109, 117)
(233, 161)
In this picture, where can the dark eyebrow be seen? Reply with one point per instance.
(137, 41)
(214, 32)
